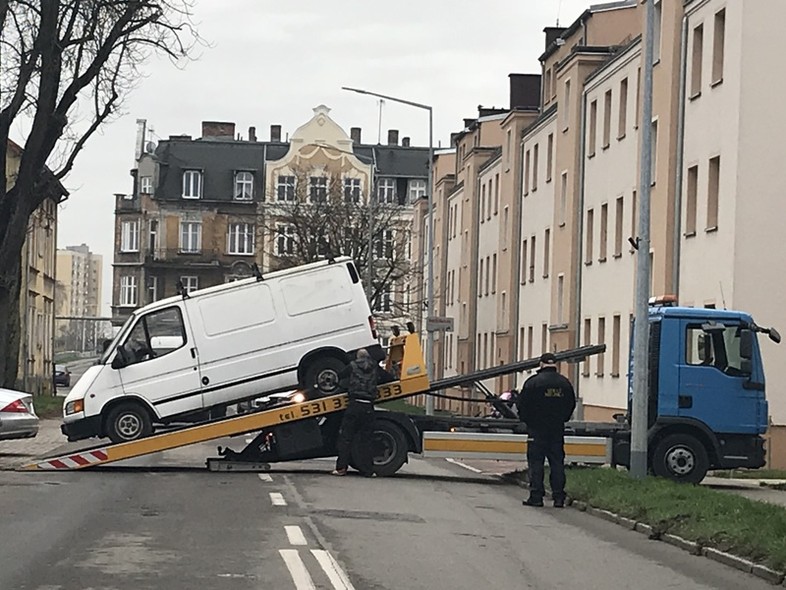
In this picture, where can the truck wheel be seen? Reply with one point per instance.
(321, 376)
(127, 422)
(389, 448)
(682, 458)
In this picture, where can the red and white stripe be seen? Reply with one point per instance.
(75, 461)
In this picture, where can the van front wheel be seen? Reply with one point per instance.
(127, 422)
(322, 375)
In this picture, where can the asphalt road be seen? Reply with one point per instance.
(167, 523)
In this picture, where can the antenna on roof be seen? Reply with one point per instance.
(559, 11)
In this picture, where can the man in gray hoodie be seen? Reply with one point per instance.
(359, 416)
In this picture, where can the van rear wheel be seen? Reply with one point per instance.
(128, 421)
(322, 375)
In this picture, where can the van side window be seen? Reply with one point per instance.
(720, 350)
(155, 335)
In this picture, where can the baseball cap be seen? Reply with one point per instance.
(548, 358)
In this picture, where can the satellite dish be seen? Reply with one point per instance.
(150, 147)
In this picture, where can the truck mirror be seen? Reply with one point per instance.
(746, 344)
(775, 336)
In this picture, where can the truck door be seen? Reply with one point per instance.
(711, 384)
(160, 362)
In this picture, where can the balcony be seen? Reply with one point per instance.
(205, 257)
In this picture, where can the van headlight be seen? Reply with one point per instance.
(74, 407)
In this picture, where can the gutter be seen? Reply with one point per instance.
(579, 251)
(515, 239)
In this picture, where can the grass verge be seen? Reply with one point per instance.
(743, 527)
(48, 406)
(751, 473)
(400, 405)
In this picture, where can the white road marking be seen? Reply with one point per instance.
(265, 477)
(277, 499)
(464, 465)
(295, 535)
(297, 569)
(334, 572)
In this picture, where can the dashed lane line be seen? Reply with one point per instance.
(277, 499)
(297, 569)
(295, 535)
(265, 477)
(334, 572)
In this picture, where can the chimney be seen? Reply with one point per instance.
(405, 141)
(552, 34)
(393, 137)
(354, 134)
(275, 133)
(524, 91)
(252, 134)
(218, 130)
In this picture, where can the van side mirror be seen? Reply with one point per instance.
(746, 344)
(774, 336)
(121, 360)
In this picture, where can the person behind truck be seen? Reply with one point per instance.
(362, 375)
(546, 402)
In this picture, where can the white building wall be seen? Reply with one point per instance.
(608, 278)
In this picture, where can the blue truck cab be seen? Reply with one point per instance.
(707, 407)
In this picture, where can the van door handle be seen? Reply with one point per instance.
(193, 353)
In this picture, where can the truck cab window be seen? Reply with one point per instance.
(155, 335)
(719, 350)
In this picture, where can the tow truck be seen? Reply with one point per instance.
(707, 404)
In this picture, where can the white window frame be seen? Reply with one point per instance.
(128, 291)
(146, 185)
(190, 283)
(315, 185)
(353, 189)
(285, 240)
(152, 289)
(193, 243)
(244, 185)
(129, 236)
(386, 190)
(416, 189)
(287, 184)
(192, 184)
(384, 246)
(240, 239)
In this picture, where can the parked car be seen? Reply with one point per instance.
(17, 416)
(62, 376)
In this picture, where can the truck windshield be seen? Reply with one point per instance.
(719, 349)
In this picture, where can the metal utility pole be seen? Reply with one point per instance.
(430, 241)
(639, 427)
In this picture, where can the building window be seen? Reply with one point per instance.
(386, 190)
(152, 289)
(718, 47)
(190, 284)
(593, 130)
(129, 236)
(530, 338)
(417, 189)
(383, 301)
(607, 119)
(544, 338)
(153, 237)
(696, 61)
(565, 108)
(488, 273)
(713, 193)
(532, 255)
(550, 157)
(508, 146)
(480, 279)
(563, 199)
(654, 157)
(604, 231)
(244, 186)
(318, 189)
(192, 184)
(585, 366)
(285, 188)
(285, 240)
(619, 221)
(638, 99)
(493, 274)
(535, 153)
(526, 172)
(190, 236)
(561, 299)
(128, 291)
(658, 28)
(590, 238)
(352, 190)
(691, 202)
(383, 246)
(633, 218)
(622, 124)
(524, 259)
(546, 252)
(240, 239)
(496, 194)
(483, 202)
(547, 87)
(615, 346)
(601, 340)
(146, 185)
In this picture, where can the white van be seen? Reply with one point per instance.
(186, 354)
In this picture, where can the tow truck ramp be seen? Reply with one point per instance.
(413, 380)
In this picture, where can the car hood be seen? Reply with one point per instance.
(85, 381)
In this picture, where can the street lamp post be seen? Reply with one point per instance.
(430, 241)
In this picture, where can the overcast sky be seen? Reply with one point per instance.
(273, 62)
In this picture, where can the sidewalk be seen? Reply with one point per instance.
(14, 453)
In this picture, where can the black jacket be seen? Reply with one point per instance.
(546, 402)
(360, 377)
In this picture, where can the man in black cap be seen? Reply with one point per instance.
(546, 402)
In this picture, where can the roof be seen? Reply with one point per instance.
(59, 192)
(620, 52)
(698, 313)
(495, 155)
(396, 161)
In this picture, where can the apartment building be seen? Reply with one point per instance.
(79, 298)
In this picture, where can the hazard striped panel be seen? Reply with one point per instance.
(77, 460)
(484, 445)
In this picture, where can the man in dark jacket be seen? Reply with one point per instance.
(546, 402)
(363, 376)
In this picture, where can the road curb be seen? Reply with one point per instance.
(760, 571)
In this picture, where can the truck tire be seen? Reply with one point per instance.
(321, 376)
(680, 457)
(389, 446)
(128, 421)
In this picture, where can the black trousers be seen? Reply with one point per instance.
(356, 426)
(542, 446)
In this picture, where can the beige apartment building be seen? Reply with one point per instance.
(79, 296)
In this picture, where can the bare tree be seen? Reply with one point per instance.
(65, 68)
(316, 216)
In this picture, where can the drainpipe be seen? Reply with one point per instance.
(579, 252)
(264, 198)
(24, 278)
(677, 237)
(515, 246)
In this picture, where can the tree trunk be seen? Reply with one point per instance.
(10, 337)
